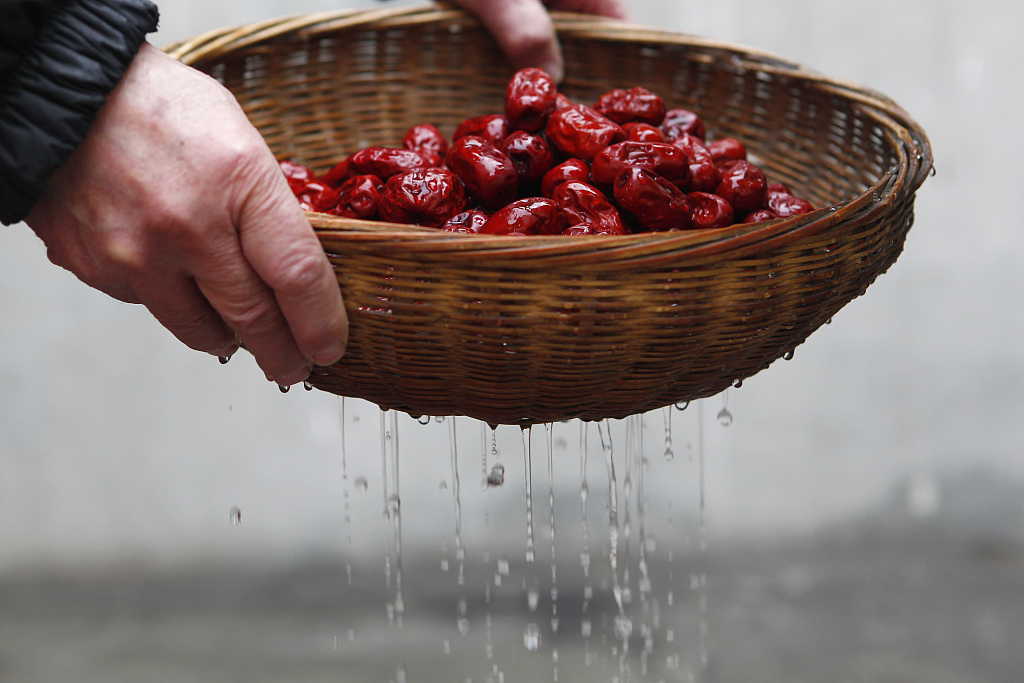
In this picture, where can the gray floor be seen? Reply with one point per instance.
(904, 601)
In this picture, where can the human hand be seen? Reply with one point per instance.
(524, 30)
(174, 201)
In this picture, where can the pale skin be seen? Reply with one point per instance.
(174, 201)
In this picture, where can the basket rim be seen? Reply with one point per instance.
(907, 137)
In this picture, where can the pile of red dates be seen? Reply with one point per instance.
(547, 166)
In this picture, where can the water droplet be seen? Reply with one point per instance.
(682, 405)
(307, 386)
(442, 485)
(284, 389)
(585, 628)
(439, 419)
(361, 484)
(394, 505)
(444, 565)
(623, 627)
(424, 419)
(223, 359)
(503, 565)
(496, 477)
(532, 599)
(789, 354)
(724, 417)
(447, 645)
(829, 321)
(669, 455)
(737, 384)
(531, 637)
(235, 515)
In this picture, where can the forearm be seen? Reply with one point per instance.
(53, 90)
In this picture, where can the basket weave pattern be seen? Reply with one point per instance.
(518, 331)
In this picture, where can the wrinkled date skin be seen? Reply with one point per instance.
(487, 172)
(530, 98)
(760, 216)
(708, 211)
(643, 132)
(579, 131)
(491, 127)
(385, 162)
(704, 175)
(426, 139)
(655, 203)
(428, 196)
(668, 161)
(570, 169)
(679, 121)
(744, 186)
(531, 155)
(584, 204)
(316, 196)
(636, 104)
(298, 176)
(784, 204)
(468, 222)
(527, 216)
(359, 197)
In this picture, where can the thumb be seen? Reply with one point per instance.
(523, 30)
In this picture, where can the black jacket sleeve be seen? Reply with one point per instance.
(59, 59)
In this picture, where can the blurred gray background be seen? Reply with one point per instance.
(864, 510)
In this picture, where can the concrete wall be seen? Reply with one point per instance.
(119, 445)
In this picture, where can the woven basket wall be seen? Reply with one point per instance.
(523, 330)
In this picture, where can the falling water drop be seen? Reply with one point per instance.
(361, 484)
(423, 419)
(307, 385)
(666, 415)
(496, 477)
(789, 355)
(439, 419)
(531, 552)
(503, 567)
(724, 417)
(531, 637)
(682, 405)
(235, 515)
(462, 618)
(223, 359)
(284, 389)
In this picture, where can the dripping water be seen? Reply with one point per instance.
(460, 551)
(393, 509)
(531, 551)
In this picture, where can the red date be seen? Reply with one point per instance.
(426, 139)
(487, 172)
(527, 216)
(571, 169)
(428, 196)
(635, 104)
(531, 155)
(530, 98)
(385, 162)
(744, 186)
(679, 121)
(359, 197)
(468, 222)
(760, 216)
(727, 149)
(317, 197)
(585, 204)
(298, 175)
(668, 161)
(491, 127)
(709, 210)
(579, 131)
(785, 205)
(704, 175)
(653, 201)
(643, 132)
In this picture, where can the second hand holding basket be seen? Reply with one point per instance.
(528, 330)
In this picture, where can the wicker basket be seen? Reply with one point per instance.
(525, 330)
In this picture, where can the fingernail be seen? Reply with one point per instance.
(329, 356)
